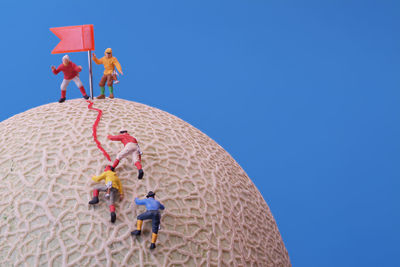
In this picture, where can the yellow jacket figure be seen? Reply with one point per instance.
(112, 186)
(110, 63)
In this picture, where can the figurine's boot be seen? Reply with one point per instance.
(138, 228)
(95, 198)
(153, 241)
(113, 215)
(141, 173)
(111, 95)
(63, 96)
(83, 92)
(139, 167)
(102, 95)
(116, 162)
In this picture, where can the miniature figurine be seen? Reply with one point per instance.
(112, 187)
(131, 146)
(152, 213)
(71, 72)
(109, 63)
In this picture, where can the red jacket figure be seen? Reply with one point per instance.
(130, 147)
(71, 72)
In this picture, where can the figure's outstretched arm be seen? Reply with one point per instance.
(99, 178)
(140, 201)
(77, 68)
(55, 71)
(114, 137)
(96, 60)
(118, 66)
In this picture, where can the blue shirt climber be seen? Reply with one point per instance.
(152, 214)
(150, 203)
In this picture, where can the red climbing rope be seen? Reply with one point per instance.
(100, 112)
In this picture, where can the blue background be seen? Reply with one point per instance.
(303, 94)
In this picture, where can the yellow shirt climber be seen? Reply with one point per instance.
(108, 61)
(110, 176)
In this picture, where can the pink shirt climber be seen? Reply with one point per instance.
(70, 71)
(124, 138)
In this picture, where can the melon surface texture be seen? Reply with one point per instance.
(214, 214)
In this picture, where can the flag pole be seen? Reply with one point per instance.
(90, 74)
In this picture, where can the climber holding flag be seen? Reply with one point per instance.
(110, 63)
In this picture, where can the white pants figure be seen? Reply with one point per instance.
(65, 83)
(130, 148)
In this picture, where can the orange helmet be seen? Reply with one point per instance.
(108, 51)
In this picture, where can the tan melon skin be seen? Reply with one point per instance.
(214, 215)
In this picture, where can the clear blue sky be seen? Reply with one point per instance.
(303, 94)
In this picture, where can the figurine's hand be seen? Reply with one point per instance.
(80, 67)
(53, 68)
(122, 73)
(109, 137)
(94, 55)
(121, 197)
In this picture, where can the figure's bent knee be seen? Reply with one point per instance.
(155, 228)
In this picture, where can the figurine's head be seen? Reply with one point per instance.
(65, 60)
(123, 131)
(108, 52)
(151, 194)
(109, 168)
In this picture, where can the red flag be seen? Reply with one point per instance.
(74, 39)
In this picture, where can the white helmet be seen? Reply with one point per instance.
(65, 58)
